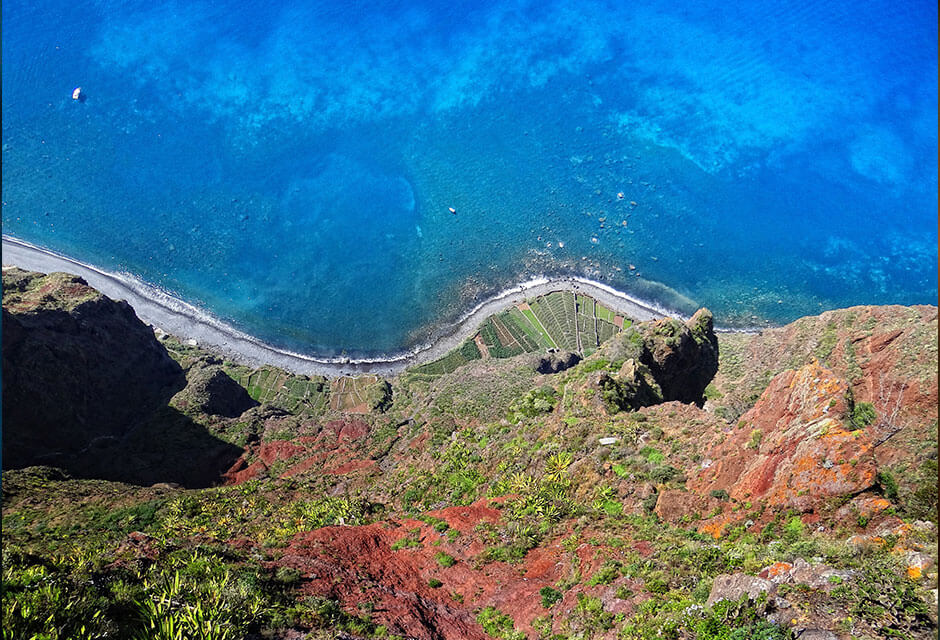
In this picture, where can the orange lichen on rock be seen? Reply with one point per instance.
(794, 448)
(777, 569)
(717, 526)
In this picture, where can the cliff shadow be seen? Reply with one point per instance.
(166, 447)
(88, 391)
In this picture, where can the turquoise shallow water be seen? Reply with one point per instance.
(290, 168)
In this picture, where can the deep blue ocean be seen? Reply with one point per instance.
(290, 166)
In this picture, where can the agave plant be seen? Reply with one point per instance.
(556, 468)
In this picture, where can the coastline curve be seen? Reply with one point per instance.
(163, 310)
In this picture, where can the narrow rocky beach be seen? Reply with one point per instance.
(172, 315)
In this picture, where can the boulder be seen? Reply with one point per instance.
(555, 362)
(733, 586)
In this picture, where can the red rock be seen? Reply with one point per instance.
(794, 448)
(241, 471)
(349, 467)
(348, 430)
(271, 452)
(315, 461)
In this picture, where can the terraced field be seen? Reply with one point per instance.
(458, 357)
(311, 395)
(559, 320)
(297, 394)
(357, 395)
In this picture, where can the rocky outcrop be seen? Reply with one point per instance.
(77, 368)
(887, 355)
(631, 388)
(555, 362)
(663, 360)
(211, 391)
(734, 586)
(683, 358)
(795, 447)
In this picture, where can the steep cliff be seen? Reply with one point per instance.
(78, 369)
(86, 387)
(673, 483)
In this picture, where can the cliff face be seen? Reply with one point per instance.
(614, 496)
(77, 368)
(81, 373)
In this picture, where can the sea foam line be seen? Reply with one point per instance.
(162, 309)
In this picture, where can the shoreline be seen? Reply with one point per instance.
(187, 322)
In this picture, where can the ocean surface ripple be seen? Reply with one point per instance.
(351, 181)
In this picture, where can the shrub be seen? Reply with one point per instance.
(624, 592)
(434, 583)
(445, 559)
(863, 414)
(408, 542)
(712, 392)
(608, 572)
(793, 529)
(885, 599)
(921, 502)
(536, 402)
(498, 624)
(756, 437)
(720, 494)
(287, 575)
(590, 615)
(888, 484)
(550, 596)
(663, 474)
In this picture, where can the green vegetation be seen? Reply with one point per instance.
(755, 440)
(888, 485)
(609, 572)
(302, 395)
(466, 352)
(884, 598)
(408, 542)
(498, 624)
(550, 596)
(863, 414)
(827, 342)
(559, 320)
(189, 593)
(463, 483)
(533, 403)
